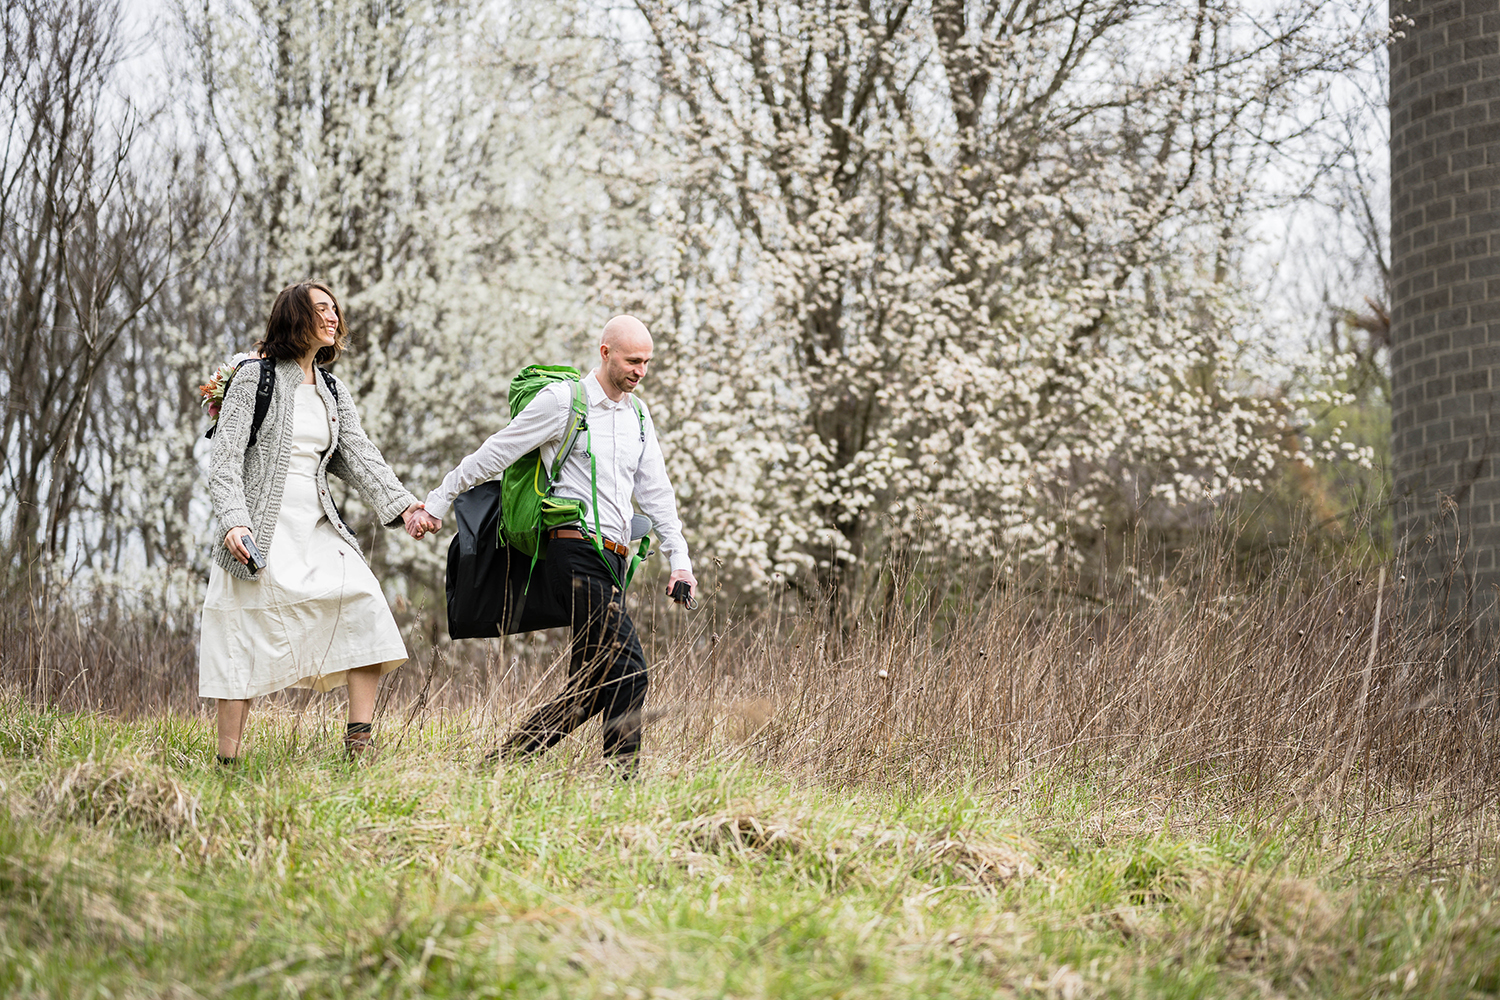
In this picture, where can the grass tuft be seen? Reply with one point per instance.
(144, 796)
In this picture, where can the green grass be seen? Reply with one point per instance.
(132, 867)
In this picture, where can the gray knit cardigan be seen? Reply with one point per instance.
(246, 480)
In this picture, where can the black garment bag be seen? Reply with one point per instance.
(488, 593)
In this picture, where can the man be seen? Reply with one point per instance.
(607, 673)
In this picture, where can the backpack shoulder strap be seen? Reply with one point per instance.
(260, 411)
(263, 391)
(578, 422)
(331, 382)
(640, 415)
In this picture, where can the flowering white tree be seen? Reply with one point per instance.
(962, 275)
(431, 162)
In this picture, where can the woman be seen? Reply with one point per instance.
(314, 615)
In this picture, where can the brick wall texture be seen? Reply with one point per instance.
(1445, 332)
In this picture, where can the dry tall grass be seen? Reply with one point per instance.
(1281, 693)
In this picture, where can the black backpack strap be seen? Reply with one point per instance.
(263, 391)
(262, 396)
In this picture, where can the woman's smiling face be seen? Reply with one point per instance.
(328, 317)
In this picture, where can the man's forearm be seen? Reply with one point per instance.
(531, 428)
(485, 464)
(658, 501)
(668, 528)
(677, 552)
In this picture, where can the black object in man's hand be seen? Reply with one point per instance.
(257, 560)
(682, 593)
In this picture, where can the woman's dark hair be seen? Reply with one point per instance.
(293, 326)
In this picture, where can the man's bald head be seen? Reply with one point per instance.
(625, 333)
(624, 353)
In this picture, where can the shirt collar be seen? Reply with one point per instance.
(595, 391)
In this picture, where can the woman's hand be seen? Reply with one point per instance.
(232, 543)
(418, 521)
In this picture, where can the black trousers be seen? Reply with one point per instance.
(607, 672)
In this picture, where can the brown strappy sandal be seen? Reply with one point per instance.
(359, 741)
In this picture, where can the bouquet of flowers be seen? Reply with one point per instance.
(212, 391)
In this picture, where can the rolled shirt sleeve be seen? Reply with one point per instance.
(543, 420)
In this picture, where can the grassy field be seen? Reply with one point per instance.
(129, 866)
(1279, 786)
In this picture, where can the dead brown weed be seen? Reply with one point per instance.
(121, 790)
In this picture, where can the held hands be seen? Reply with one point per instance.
(419, 522)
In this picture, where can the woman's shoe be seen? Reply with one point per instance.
(359, 741)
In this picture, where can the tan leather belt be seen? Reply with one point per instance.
(613, 546)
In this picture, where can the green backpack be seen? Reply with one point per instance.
(528, 508)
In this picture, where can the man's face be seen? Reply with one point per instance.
(625, 364)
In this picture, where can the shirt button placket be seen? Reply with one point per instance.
(614, 486)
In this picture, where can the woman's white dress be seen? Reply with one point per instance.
(315, 611)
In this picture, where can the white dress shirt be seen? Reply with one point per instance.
(626, 465)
